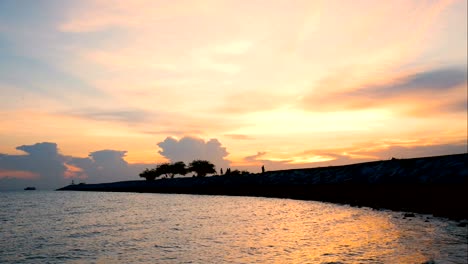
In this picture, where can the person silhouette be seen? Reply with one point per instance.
(263, 169)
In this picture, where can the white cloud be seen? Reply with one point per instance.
(188, 149)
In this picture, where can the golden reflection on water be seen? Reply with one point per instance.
(157, 228)
(317, 232)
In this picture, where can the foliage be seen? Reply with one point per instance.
(178, 168)
(166, 169)
(149, 174)
(201, 167)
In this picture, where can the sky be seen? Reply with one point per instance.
(96, 90)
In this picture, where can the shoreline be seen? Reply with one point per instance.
(430, 185)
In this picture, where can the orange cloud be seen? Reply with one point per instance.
(432, 91)
(26, 175)
(362, 152)
(73, 172)
(239, 137)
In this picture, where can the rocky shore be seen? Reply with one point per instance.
(433, 185)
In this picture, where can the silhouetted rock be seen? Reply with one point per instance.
(431, 185)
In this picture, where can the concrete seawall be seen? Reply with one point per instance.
(433, 185)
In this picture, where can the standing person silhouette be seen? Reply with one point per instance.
(263, 169)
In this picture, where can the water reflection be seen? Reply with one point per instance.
(164, 228)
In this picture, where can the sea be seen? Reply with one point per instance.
(99, 227)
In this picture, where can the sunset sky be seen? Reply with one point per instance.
(94, 89)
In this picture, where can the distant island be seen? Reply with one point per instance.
(431, 185)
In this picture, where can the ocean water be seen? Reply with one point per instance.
(92, 227)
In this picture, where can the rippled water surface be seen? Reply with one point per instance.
(89, 227)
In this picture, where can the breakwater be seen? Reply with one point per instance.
(434, 185)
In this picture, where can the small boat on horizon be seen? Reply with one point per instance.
(30, 188)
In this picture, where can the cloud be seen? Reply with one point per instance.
(457, 106)
(106, 166)
(74, 172)
(18, 174)
(126, 115)
(179, 132)
(43, 77)
(234, 48)
(188, 149)
(239, 136)
(91, 16)
(322, 158)
(416, 151)
(251, 101)
(258, 160)
(107, 156)
(38, 149)
(45, 167)
(351, 155)
(42, 159)
(433, 81)
(432, 91)
(386, 150)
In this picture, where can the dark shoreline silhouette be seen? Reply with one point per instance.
(430, 185)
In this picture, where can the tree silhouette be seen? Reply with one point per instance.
(178, 168)
(164, 169)
(171, 169)
(201, 167)
(167, 169)
(149, 174)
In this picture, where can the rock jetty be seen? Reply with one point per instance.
(433, 185)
